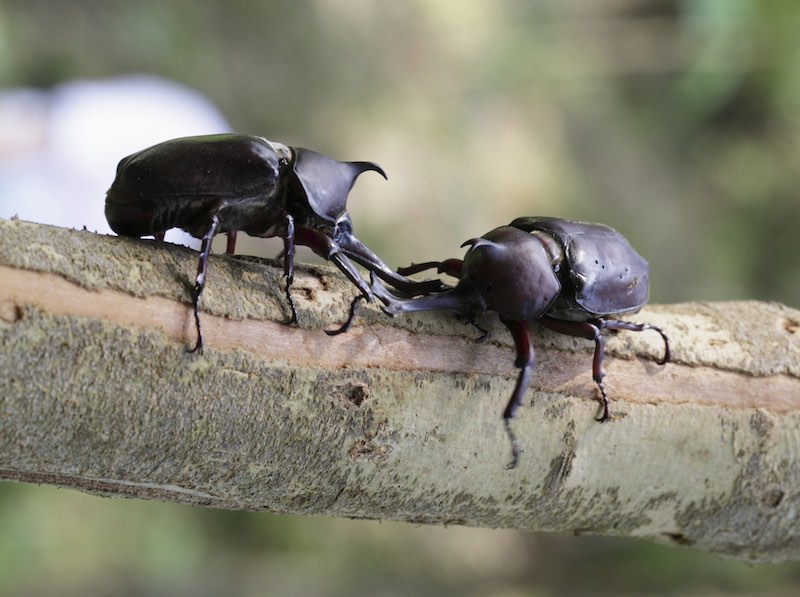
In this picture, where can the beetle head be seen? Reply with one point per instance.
(325, 183)
(511, 272)
(507, 270)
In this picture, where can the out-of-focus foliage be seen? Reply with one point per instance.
(676, 122)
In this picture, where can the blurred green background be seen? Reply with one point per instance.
(678, 123)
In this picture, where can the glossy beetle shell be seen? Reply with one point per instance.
(228, 183)
(600, 272)
(572, 277)
(173, 183)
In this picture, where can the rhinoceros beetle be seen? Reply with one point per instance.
(210, 184)
(572, 277)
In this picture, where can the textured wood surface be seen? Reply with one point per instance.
(399, 418)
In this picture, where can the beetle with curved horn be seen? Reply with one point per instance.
(210, 184)
(575, 278)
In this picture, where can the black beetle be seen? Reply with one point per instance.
(210, 184)
(573, 277)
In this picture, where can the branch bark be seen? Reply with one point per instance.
(399, 418)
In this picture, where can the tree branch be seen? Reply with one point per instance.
(399, 418)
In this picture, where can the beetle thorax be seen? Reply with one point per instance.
(512, 272)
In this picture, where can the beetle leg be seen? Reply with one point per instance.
(352, 315)
(200, 281)
(326, 248)
(288, 264)
(615, 324)
(526, 360)
(356, 250)
(230, 248)
(591, 331)
(379, 290)
(349, 270)
(416, 268)
(451, 267)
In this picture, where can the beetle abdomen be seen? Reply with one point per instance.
(603, 272)
(143, 216)
(130, 217)
(171, 184)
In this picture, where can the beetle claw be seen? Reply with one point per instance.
(667, 355)
(198, 346)
(604, 403)
(606, 416)
(346, 325)
(484, 332)
(515, 448)
(293, 319)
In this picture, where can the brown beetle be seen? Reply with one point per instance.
(572, 277)
(226, 183)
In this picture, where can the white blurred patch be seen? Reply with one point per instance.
(59, 149)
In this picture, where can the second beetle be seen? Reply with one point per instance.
(572, 277)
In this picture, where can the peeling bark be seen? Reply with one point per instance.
(399, 418)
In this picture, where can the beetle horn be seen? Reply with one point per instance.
(476, 243)
(327, 182)
(361, 167)
(463, 300)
